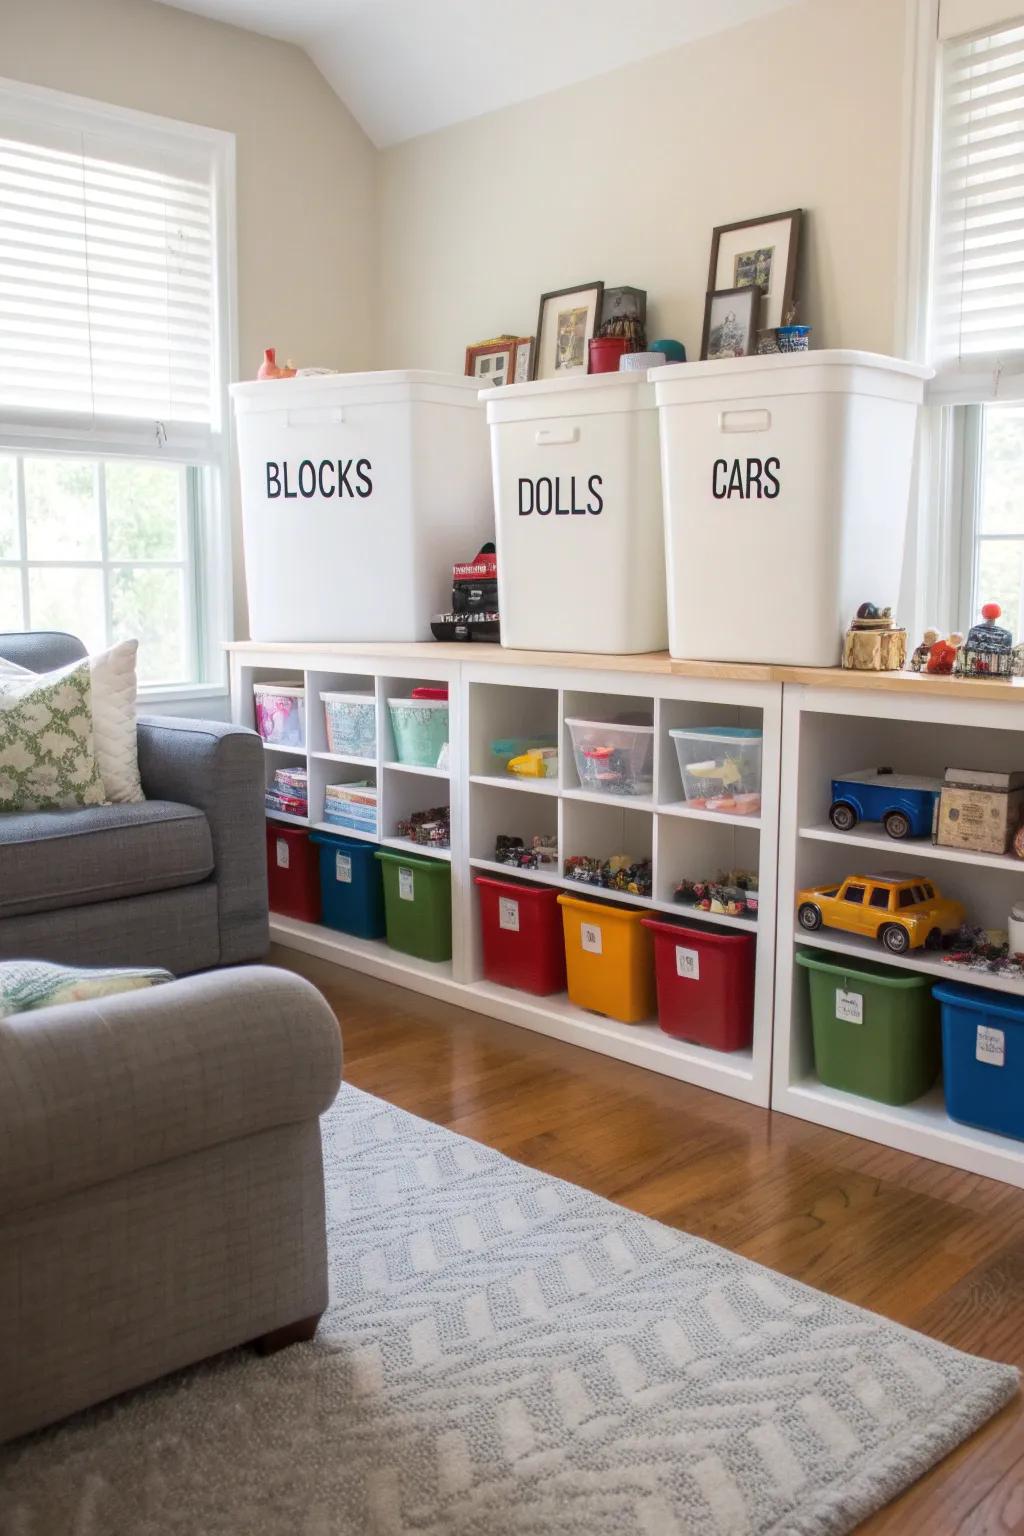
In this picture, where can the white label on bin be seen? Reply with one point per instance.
(590, 938)
(990, 1046)
(849, 1006)
(282, 853)
(508, 914)
(406, 885)
(343, 868)
(687, 963)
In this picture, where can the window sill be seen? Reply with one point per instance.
(181, 693)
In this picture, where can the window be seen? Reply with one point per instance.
(854, 893)
(910, 896)
(975, 315)
(880, 897)
(115, 232)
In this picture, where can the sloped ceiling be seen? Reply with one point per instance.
(407, 67)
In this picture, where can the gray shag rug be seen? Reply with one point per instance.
(506, 1353)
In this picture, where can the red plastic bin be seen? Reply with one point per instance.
(705, 980)
(293, 872)
(522, 936)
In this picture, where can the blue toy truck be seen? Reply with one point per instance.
(904, 803)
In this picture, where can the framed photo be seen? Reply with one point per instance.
(730, 322)
(762, 254)
(567, 320)
(524, 360)
(492, 362)
(502, 360)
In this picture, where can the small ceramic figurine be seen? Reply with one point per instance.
(874, 641)
(988, 649)
(270, 368)
(942, 656)
(919, 660)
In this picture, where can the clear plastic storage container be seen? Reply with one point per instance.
(720, 766)
(281, 713)
(613, 759)
(351, 721)
(420, 729)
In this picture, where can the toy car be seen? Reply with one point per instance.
(902, 912)
(904, 803)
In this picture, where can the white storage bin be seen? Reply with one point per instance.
(613, 759)
(359, 493)
(578, 514)
(786, 482)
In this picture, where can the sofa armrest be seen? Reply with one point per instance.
(93, 1090)
(219, 769)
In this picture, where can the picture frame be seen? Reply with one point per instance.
(761, 252)
(502, 360)
(731, 318)
(492, 362)
(566, 321)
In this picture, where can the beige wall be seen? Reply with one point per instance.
(305, 170)
(623, 179)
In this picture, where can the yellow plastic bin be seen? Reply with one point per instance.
(609, 959)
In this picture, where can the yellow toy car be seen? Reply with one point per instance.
(901, 911)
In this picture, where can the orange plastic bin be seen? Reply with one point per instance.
(608, 960)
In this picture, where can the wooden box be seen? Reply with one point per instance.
(979, 810)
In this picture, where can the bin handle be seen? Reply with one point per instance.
(545, 435)
(325, 416)
(744, 421)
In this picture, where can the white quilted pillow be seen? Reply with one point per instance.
(114, 690)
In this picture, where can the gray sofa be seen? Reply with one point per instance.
(161, 1184)
(178, 880)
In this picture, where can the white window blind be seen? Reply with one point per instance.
(977, 304)
(108, 279)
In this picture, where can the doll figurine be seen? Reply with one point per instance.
(919, 660)
(942, 656)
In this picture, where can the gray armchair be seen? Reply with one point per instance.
(161, 1184)
(179, 880)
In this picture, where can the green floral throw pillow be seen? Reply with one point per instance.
(47, 760)
(28, 984)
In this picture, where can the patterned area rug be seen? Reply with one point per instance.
(505, 1353)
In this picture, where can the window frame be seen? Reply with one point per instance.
(210, 451)
(946, 497)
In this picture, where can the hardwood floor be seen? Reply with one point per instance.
(934, 1248)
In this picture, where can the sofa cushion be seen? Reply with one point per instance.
(55, 859)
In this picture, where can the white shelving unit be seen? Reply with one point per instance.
(828, 732)
(487, 702)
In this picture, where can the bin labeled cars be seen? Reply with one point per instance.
(786, 483)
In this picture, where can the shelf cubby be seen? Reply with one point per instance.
(826, 734)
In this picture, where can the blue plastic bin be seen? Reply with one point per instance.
(350, 885)
(983, 1057)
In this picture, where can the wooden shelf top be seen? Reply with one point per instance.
(654, 663)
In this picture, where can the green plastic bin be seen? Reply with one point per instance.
(876, 1029)
(417, 904)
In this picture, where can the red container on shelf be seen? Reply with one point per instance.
(705, 980)
(522, 936)
(293, 872)
(605, 352)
